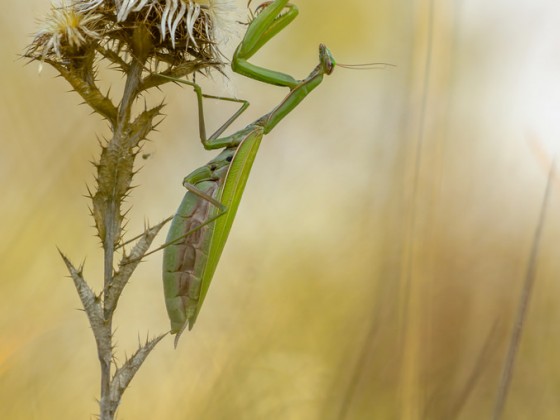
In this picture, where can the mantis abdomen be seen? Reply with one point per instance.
(184, 260)
(200, 228)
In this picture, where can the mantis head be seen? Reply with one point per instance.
(326, 59)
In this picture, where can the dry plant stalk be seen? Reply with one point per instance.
(143, 39)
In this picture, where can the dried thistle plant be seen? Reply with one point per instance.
(143, 39)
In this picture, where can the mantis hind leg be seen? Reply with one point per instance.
(273, 17)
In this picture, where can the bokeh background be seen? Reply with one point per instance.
(377, 261)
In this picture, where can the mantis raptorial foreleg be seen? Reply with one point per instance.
(272, 19)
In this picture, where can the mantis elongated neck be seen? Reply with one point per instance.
(296, 95)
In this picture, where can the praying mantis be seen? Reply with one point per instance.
(200, 228)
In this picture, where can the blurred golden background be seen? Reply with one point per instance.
(378, 256)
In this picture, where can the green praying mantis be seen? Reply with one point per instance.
(200, 228)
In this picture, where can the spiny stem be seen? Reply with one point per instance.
(74, 37)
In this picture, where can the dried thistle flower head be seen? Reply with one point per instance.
(65, 33)
(205, 20)
(196, 27)
(177, 31)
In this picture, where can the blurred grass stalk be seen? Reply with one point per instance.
(143, 40)
(524, 299)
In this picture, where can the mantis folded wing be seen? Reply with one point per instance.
(200, 228)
